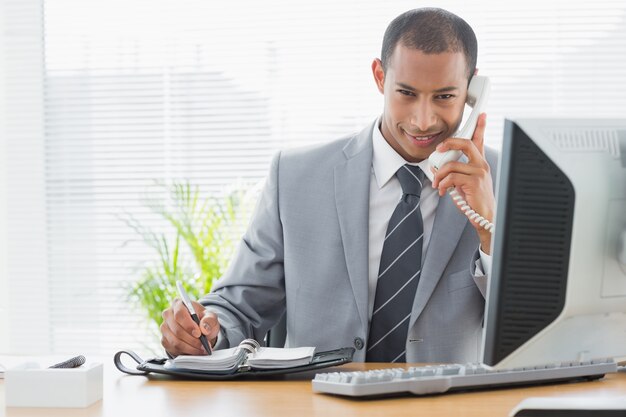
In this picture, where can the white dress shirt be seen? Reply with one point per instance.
(385, 192)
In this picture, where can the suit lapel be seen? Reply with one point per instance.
(352, 182)
(447, 230)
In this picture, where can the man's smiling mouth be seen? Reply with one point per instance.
(423, 139)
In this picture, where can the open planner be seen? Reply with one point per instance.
(247, 359)
(248, 354)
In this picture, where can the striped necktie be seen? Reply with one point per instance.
(399, 272)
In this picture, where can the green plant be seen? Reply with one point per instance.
(195, 248)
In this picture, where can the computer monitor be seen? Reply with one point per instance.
(557, 291)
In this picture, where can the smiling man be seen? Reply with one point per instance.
(351, 241)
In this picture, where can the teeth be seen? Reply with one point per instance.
(424, 137)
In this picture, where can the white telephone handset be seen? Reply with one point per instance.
(477, 96)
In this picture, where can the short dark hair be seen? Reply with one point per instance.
(432, 31)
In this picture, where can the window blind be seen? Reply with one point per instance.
(24, 308)
(143, 90)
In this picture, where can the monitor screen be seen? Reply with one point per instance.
(557, 291)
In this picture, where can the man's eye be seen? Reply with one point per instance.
(406, 93)
(445, 96)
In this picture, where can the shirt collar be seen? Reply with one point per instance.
(386, 161)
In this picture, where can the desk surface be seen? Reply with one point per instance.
(126, 395)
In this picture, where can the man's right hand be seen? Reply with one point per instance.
(180, 334)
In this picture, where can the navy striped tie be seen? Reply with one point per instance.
(399, 273)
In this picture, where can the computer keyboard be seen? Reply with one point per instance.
(436, 379)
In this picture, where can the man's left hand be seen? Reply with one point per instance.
(472, 180)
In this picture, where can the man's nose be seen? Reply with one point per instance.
(423, 117)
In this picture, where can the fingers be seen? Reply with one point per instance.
(474, 149)
(199, 308)
(468, 148)
(210, 326)
(464, 169)
(479, 133)
(179, 332)
(175, 345)
(183, 318)
(475, 187)
(476, 190)
(456, 180)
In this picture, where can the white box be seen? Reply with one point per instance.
(29, 385)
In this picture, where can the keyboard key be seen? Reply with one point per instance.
(451, 370)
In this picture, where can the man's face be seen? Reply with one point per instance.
(424, 99)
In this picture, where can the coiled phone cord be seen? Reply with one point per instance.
(469, 212)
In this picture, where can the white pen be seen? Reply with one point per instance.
(194, 316)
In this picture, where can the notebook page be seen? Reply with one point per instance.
(220, 360)
(267, 357)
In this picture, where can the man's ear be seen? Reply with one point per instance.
(379, 75)
(476, 71)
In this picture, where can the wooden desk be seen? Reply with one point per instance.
(126, 395)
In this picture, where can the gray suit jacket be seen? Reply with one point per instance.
(306, 253)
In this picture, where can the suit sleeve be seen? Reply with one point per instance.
(250, 297)
(480, 266)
